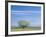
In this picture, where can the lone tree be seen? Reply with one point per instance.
(23, 23)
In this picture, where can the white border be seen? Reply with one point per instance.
(23, 32)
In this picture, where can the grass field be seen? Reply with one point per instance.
(13, 29)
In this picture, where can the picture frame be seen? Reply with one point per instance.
(8, 8)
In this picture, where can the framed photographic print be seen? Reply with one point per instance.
(24, 18)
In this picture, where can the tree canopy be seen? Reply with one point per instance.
(23, 23)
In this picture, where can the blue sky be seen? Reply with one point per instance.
(31, 14)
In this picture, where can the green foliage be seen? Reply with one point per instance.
(23, 23)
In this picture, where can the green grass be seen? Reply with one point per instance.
(25, 29)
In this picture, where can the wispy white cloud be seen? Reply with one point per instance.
(23, 12)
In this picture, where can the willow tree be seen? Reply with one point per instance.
(23, 23)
